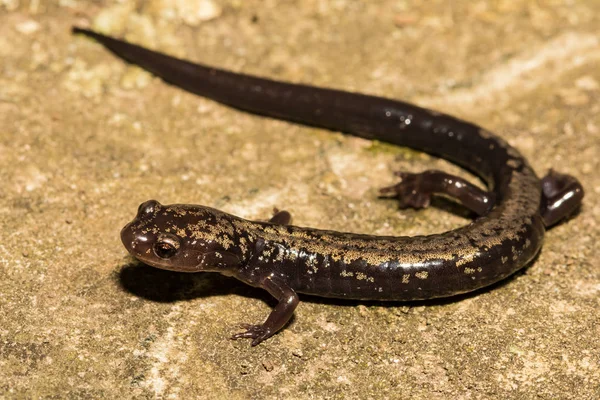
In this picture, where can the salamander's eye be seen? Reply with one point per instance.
(148, 207)
(166, 246)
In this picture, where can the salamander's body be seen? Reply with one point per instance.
(285, 259)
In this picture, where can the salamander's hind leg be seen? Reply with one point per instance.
(416, 190)
(281, 217)
(561, 195)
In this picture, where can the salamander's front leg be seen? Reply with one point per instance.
(281, 314)
(416, 190)
(561, 195)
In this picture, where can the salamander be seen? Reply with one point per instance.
(507, 232)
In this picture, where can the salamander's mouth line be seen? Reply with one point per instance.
(286, 260)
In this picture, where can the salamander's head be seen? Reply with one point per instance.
(181, 237)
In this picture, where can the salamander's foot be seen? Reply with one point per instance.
(416, 190)
(562, 194)
(412, 191)
(256, 332)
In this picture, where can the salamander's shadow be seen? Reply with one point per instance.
(168, 286)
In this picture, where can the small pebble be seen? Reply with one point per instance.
(195, 12)
(268, 365)
(28, 27)
(587, 83)
(297, 353)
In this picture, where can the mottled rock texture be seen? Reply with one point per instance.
(84, 139)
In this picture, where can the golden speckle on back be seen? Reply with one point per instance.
(422, 275)
(466, 258)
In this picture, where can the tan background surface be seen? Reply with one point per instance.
(84, 139)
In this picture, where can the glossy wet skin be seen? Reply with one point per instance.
(512, 215)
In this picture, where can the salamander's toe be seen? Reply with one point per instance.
(256, 332)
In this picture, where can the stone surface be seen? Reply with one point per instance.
(85, 138)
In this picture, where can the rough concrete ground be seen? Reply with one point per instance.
(84, 139)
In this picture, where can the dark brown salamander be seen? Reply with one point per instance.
(285, 259)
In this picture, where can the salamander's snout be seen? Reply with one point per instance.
(137, 244)
(128, 237)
